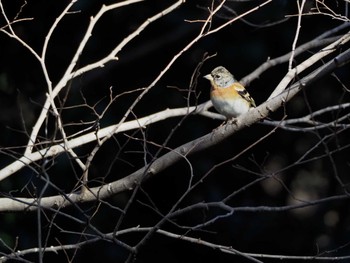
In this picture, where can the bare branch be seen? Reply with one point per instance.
(199, 144)
(308, 63)
(300, 11)
(310, 120)
(91, 154)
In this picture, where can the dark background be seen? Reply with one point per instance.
(240, 48)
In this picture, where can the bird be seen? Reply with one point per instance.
(228, 96)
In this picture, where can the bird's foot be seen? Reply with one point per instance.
(231, 121)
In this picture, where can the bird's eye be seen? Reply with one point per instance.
(216, 76)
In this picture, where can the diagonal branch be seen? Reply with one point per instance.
(218, 135)
(30, 157)
(308, 63)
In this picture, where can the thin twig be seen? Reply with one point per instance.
(300, 11)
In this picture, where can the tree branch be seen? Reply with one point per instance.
(192, 147)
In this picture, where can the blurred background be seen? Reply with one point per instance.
(301, 162)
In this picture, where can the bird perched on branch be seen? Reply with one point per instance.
(229, 97)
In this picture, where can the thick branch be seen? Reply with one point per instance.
(197, 145)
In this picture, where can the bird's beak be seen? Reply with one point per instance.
(208, 77)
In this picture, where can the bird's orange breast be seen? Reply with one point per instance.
(228, 93)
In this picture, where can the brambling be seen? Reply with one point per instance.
(228, 96)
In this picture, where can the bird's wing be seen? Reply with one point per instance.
(244, 94)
